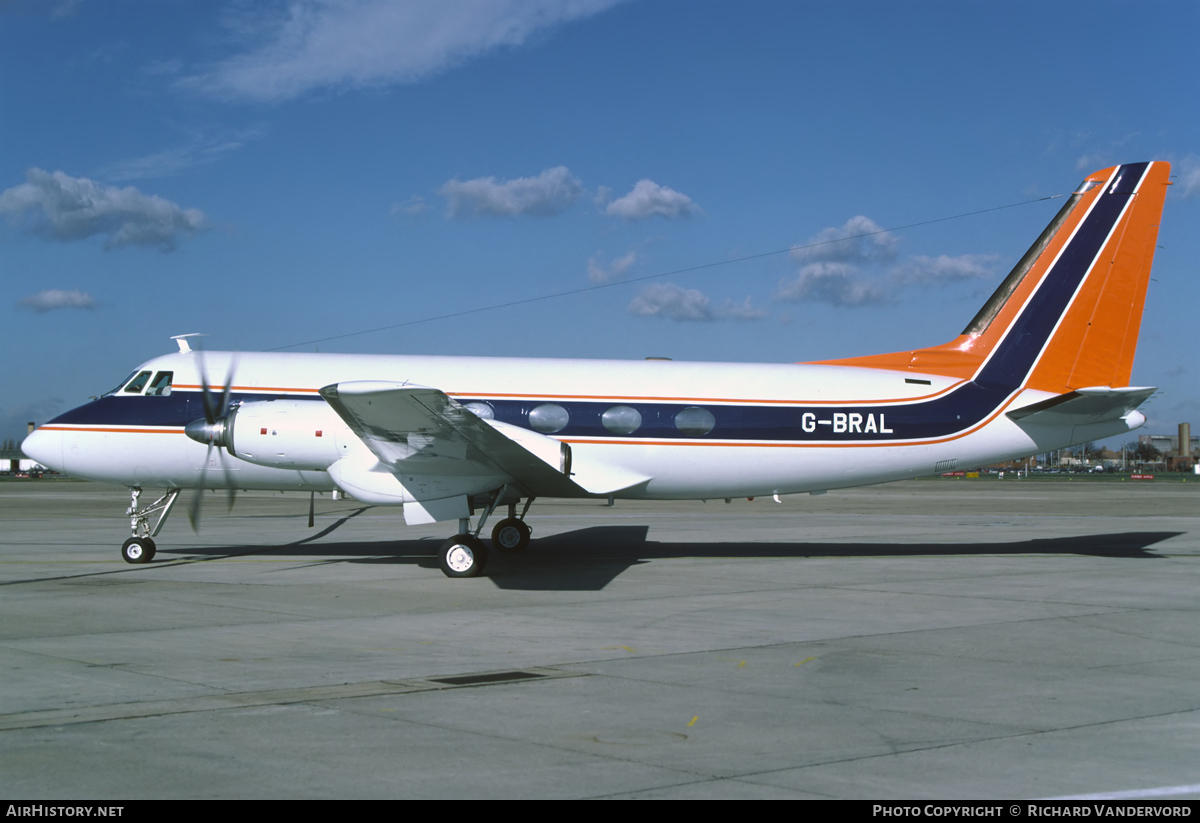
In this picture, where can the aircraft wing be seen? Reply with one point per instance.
(422, 431)
(1097, 404)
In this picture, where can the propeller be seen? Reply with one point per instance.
(214, 431)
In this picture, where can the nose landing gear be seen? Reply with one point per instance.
(140, 548)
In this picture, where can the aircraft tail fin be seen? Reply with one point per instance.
(1068, 314)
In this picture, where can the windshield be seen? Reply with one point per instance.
(138, 383)
(161, 386)
(117, 387)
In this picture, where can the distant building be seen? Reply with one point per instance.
(1168, 444)
(1178, 450)
(13, 460)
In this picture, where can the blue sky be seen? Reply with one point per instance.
(274, 173)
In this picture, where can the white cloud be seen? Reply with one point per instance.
(65, 9)
(1100, 157)
(843, 284)
(669, 300)
(551, 192)
(598, 273)
(859, 240)
(352, 44)
(924, 270)
(838, 284)
(1189, 176)
(649, 199)
(414, 206)
(740, 311)
(677, 303)
(199, 152)
(52, 299)
(64, 208)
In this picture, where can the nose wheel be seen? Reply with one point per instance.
(138, 550)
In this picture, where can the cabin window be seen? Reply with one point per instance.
(161, 386)
(622, 419)
(549, 418)
(480, 409)
(138, 383)
(695, 421)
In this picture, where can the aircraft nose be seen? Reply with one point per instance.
(46, 447)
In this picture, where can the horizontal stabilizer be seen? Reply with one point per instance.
(1096, 404)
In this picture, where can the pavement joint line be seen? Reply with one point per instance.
(1135, 794)
(269, 697)
(920, 749)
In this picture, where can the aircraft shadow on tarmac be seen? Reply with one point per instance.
(591, 558)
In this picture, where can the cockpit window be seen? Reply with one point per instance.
(117, 387)
(161, 386)
(138, 383)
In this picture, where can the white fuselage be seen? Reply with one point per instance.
(779, 428)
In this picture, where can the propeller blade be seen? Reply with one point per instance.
(210, 413)
(214, 410)
(230, 488)
(312, 502)
(198, 497)
(228, 386)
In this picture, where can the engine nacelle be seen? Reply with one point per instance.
(289, 434)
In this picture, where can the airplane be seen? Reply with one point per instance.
(1044, 365)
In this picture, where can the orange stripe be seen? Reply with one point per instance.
(632, 397)
(553, 396)
(190, 386)
(732, 400)
(109, 429)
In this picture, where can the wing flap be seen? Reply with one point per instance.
(418, 430)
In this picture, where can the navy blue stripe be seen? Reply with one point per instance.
(176, 409)
(938, 417)
(1010, 365)
(960, 409)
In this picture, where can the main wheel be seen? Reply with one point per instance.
(138, 550)
(463, 555)
(510, 535)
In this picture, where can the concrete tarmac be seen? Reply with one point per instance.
(942, 639)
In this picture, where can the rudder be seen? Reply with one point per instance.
(1095, 342)
(1068, 314)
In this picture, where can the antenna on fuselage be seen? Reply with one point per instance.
(182, 340)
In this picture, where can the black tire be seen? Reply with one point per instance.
(463, 555)
(510, 535)
(138, 550)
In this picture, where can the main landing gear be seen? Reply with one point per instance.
(465, 555)
(511, 535)
(140, 548)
